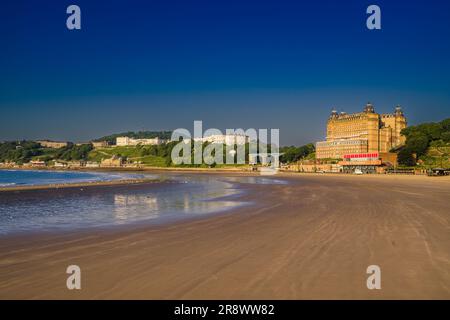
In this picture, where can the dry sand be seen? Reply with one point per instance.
(310, 239)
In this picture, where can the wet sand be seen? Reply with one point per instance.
(310, 239)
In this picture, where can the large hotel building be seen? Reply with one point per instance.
(364, 132)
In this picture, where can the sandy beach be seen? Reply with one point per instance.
(312, 238)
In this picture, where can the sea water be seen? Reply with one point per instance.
(42, 177)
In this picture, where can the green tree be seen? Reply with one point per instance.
(418, 142)
(405, 157)
(420, 137)
(445, 136)
(292, 153)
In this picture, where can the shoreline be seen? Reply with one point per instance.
(241, 169)
(233, 170)
(196, 171)
(76, 185)
(90, 184)
(218, 172)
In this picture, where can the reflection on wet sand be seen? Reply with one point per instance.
(123, 202)
(187, 196)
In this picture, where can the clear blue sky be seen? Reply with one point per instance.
(263, 64)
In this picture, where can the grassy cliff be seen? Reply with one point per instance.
(134, 154)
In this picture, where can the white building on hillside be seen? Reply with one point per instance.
(127, 141)
(227, 139)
